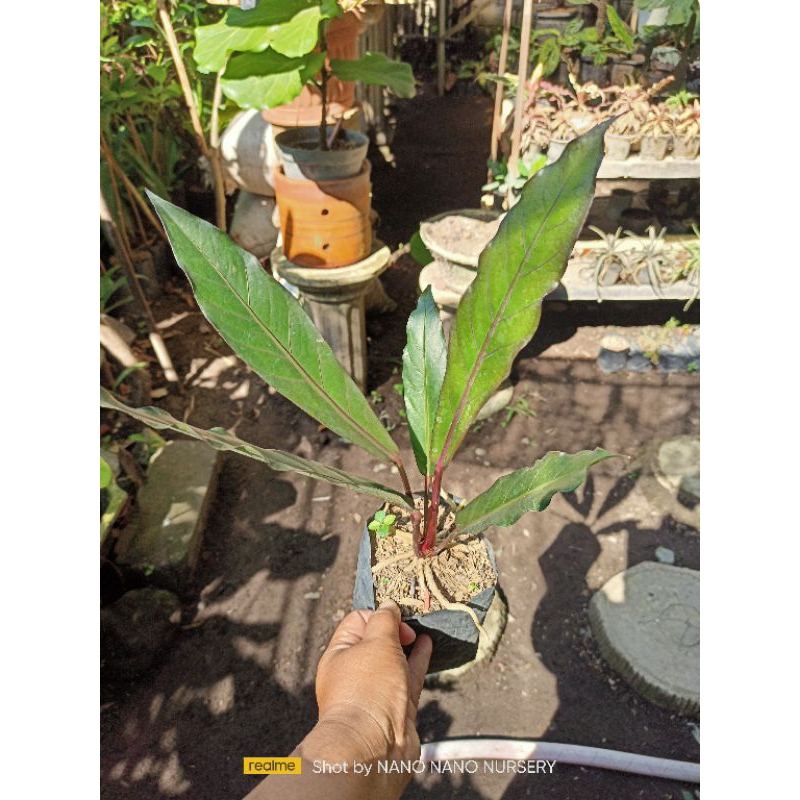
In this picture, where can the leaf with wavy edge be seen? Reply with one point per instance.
(528, 489)
(424, 359)
(500, 311)
(220, 439)
(379, 70)
(269, 330)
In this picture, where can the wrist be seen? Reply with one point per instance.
(351, 731)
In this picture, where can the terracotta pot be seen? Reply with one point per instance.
(306, 108)
(325, 223)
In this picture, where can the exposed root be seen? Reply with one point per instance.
(423, 586)
(391, 560)
(431, 583)
(411, 602)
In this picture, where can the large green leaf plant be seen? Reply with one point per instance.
(446, 383)
(267, 54)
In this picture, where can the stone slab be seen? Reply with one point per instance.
(164, 536)
(647, 622)
(677, 464)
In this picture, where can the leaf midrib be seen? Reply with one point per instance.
(495, 322)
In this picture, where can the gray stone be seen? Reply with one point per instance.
(164, 536)
(610, 361)
(638, 362)
(252, 226)
(335, 301)
(136, 628)
(647, 623)
(498, 401)
(665, 555)
(678, 460)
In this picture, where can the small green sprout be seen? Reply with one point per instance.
(473, 587)
(382, 523)
(376, 397)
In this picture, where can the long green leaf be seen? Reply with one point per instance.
(424, 360)
(377, 69)
(269, 330)
(528, 489)
(500, 311)
(220, 439)
(619, 28)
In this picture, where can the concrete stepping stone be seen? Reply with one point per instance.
(164, 536)
(646, 620)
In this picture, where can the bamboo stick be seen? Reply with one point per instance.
(522, 73)
(500, 90)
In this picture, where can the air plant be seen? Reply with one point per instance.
(650, 255)
(611, 261)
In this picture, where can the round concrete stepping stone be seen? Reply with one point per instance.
(677, 465)
(647, 622)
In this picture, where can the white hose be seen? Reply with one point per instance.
(525, 749)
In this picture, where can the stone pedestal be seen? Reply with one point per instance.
(335, 301)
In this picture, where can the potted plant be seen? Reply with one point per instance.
(656, 134)
(610, 260)
(264, 58)
(684, 108)
(446, 384)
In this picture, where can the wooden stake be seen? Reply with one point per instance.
(522, 74)
(499, 91)
(440, 46)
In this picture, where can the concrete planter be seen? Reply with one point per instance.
(654, 148)
(686, 148)
(454, 635)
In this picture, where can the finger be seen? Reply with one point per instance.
(350, 630)
(384, 623)
(407, 634)
(417, 667)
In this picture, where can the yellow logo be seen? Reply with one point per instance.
(267, 765)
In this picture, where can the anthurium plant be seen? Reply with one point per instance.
(445, 383)
(265, 55)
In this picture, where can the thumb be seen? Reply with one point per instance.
(384, 623)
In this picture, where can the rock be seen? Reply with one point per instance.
(665, 555)
(677, 464)
(638, 362)
(647, 622)
(252, 226)
(164, 538)
(611, 361)
(498, 401)
(479, 452)
(136, 628)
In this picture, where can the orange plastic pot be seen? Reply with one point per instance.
(306, 108)
(325, 224)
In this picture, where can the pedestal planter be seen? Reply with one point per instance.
(335, 301)
(454, 635)
(325, 223)
(654, 148)
(471, 236)
(686, 148)
(302, 157)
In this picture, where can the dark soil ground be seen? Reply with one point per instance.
(278, 563)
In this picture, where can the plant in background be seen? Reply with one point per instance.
(610, 260)
(446, 383)
(509, 187)
(649, 256)
(619, 42)
(146, 135)
(266, 55)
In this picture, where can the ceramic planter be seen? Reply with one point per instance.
(325, 223)
(654, 148)
(684, 147)
(618, 147)
(303, 159)
(454, 635)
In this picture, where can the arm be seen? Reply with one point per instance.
(367, 695)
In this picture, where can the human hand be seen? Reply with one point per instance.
(367, 692)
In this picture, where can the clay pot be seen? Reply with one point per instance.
(618, 147)
(686, 148)
(325, 223)
(306, 108)
(654, 148)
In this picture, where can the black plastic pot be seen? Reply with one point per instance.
(454, 635)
